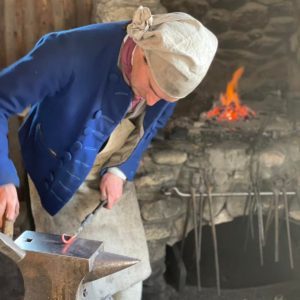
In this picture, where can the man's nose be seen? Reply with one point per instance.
(152, 99)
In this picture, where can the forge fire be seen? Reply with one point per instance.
(230, 107)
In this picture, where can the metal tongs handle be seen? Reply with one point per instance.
(67, 239)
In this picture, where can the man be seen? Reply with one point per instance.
(97, 98)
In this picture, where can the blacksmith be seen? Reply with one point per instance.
(98, 94)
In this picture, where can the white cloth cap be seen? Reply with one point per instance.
(178, 48)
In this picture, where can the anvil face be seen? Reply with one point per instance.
(45, 243)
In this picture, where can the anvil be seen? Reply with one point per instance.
(53, 270)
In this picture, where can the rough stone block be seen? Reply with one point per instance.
(161, 210)
(280, 9)
(157, 249)
(157, 231)
(217, 20)
(196, 8)
(235, 206)
(148, 194)
(222, 217)
(155, 179)
(228, 4)
(265, 45)
(251, 15)
(230, 156)
(281, 26)
(271, 158)
(270, 2)
(169, 157)
(234, 39)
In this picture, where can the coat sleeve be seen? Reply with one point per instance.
(129, 167)
(40, 73)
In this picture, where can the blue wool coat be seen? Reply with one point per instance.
(78, 96)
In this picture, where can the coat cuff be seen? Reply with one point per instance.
(116, 171)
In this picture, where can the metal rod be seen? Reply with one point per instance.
(251, 213)
(215, 242)
(193, 192)
(269, 219)
(200, 226)
(260, 225)
(185, 230)
(288, 230)
(250, 205)
(276, 225)
(233, 194)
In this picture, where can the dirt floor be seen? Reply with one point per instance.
(282, 291)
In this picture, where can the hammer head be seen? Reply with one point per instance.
(9, 248)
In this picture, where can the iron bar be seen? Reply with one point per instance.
(193, 198)
(231, 194)
(251, 213)
(276, 225)
(185, 230)
(215, 242)
(247, 212)
(200, 226)
(260, 225)
(270, 217)
(288, 230)
(251, 208)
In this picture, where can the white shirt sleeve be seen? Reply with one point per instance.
(116, 171)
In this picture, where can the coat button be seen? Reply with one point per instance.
(67, 156)
(87, 131)
(113, 77)
(98, 114)
(76, 146)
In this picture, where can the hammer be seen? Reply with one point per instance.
(8, 227)
(7, 245)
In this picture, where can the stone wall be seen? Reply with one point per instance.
(269, 145)
(255, 34)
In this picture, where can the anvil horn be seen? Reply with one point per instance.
(108, 263)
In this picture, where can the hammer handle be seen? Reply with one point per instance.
(8, 227)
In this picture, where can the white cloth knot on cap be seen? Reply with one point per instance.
(141, 22)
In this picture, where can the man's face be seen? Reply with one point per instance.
(142, 82)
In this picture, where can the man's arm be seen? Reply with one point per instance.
(42, 72)
(111, 185)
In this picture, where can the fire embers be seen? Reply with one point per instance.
(230, 108)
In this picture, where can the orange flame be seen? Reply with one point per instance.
(231, 109)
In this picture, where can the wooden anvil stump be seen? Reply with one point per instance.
(53, 270)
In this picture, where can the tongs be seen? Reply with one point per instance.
(68, 239)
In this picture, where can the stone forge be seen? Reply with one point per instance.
(259, 155)
(230, 150)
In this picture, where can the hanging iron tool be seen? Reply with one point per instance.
(288, 230)
(276, 225)
(214, 234)
(193, 198)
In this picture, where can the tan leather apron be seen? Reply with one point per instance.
(120, 229)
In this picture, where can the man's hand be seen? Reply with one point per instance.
(111, 188)
(9, 203)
